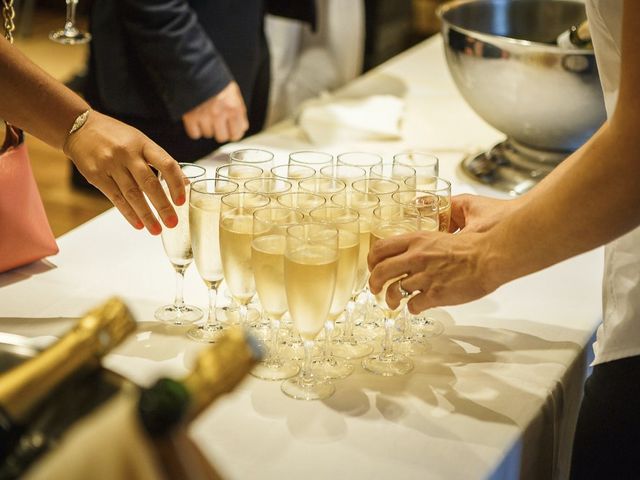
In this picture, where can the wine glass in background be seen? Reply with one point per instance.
(382, 187)
(403, 175)
(70, 34)
(204, 225)
(364, 160)
(426, 166)
(315, 160)
(303, 201)
(236, 231)
(310, 271)
(351, 345)
(239, 172)
(293, 173)
(270, 186)
(346, 221)
(427, 204)
(323, 186)
(390, 220)
(345, 173)
(267, 257)
(253, 156)
(177, 245)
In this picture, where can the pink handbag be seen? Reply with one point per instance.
(25, 234)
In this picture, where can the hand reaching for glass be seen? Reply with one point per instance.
(223, 116)
(116, 159)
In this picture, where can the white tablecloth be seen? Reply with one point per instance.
(496, 397)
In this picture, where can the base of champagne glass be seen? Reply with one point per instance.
(296, 388)
(352, 349)
(412, 346)
(388, 365)
(332, 368)
(70, 38)
(427, 327)
(178, 315)
(275, 371)
(203, 334)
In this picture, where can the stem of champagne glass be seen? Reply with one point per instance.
(326, 349)
(71, 14)
(348, 320)
(212, 319)
(387, 346)
(178, 301)
(406, 328)
(244, 313)
(274, 357)
(306, 376)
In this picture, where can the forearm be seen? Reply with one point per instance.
(588, 201)
(33, 100)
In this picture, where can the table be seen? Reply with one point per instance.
(496, 398)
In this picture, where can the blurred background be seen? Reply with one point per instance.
(390, 27)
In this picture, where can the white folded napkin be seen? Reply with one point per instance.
(339, 120)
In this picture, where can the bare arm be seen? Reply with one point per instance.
(591, 199)
(111, 155)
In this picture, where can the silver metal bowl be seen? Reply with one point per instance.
(547, 100)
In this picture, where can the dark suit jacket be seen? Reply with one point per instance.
(153, 60)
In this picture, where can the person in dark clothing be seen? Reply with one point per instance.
(191, 74)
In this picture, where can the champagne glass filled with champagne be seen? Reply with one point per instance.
(310, 272)
(323, 186)
(293, 173)
(427, 204)
(204, 222)
(267, 257)
(442, 188)
(239, 173)
(366, 160)
(177, 246)
(426, 166)
(346, 221)
(303, 201)
(236, 231)
(390, 220)
(403, 175)
(352, 345)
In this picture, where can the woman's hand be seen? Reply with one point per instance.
(446, 269)
(115, 158)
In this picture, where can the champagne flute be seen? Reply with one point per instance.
(177, 245)
(382, 187)
(324, 186)
(270, 186)
(239, 173)
(347, 222)
(253, 156)
(303, 201)
(364, 160)
(236, 230)
(427, 204)
(351, 345)
(390, 220)
(426, 166)
(310, 271)
(345, 173)
(70, 34)
(293, 173)
(204, 218)
(403, 175)
(267, 257)
(315, 160)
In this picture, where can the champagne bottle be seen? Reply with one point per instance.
(218, 369)
(23, 388)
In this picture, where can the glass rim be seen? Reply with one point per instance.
(255, 150)
(317, 179)
(335, 167)
(340, 158)
(349, 198)
(381, 176)
(195, 186)
(377, 179)
(281, 208)
(239, 165)
(297, 165)
(419, 153)
(379, 208)
(267, 179)
(445, 187)
(299, 193)
(227, 195)
(315, 153)
(191, 165)
(353, 212)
